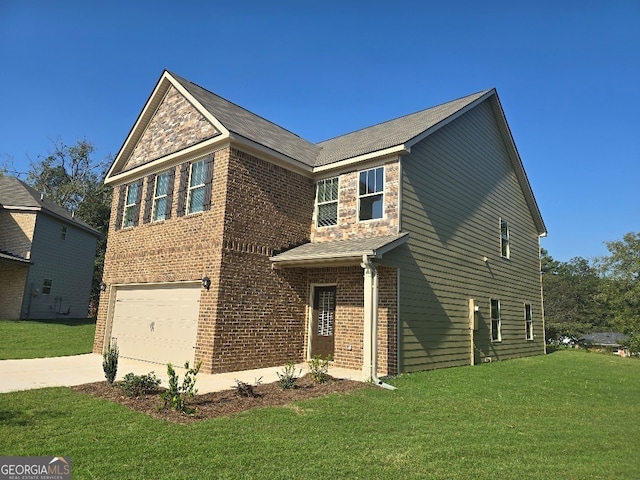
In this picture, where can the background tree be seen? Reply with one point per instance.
(71, 177)
(621, 271)
(573, 300)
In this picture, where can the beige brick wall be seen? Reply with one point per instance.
(348, 225)
(12, 284)
(16, 231)
(175, 125)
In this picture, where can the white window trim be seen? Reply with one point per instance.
(507, 254)
(128, 205)
(157, 197)
(49, 287)
(195, 187)
(318, 203)
(528, 321)
(366, 195)
(499, 318)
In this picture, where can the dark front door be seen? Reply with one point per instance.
(322, 327)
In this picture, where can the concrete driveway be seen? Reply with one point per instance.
(34, 373)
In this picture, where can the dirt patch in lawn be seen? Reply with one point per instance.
(221, 404)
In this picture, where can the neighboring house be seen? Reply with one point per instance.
(610, 341)
(46, 256)
(409, 245)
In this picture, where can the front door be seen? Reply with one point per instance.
(322, 326)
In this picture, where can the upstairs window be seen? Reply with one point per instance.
(46, 286)
(63, 233)
(370, 193)
(195, 195)
(505, 250)
(161, 189)
(528, 321)
(496, 335)
(327, 202)
(131, 205)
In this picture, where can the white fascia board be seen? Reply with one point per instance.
(401, 149)
(18, 207)
(168, 161)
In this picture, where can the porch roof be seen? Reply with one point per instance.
(4, 255)
(338, 252)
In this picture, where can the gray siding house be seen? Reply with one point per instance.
(46, 256)
(409, 245)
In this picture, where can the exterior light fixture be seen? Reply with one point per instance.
(206, 282)
(103, 286)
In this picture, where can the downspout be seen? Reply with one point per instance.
(370, 345)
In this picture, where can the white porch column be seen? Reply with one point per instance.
(370, 344)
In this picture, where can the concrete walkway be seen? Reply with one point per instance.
(34, 373)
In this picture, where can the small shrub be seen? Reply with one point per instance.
(244, 389)
(137, 385)
(176, 395)
(319, 368)
(110, 363)
(288, 377)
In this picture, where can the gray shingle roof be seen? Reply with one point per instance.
(340, 249)
(251, 126)
(367, 140)
(16, 193)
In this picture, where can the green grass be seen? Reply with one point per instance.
(45, 338)
(569, 415)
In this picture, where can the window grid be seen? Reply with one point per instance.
(327, 202)
(505, 250)
(161, 188)
(528, 321)
(46, 286)
(130, 205)
(63, 234)
(496, 335)
(326, 311)
(370, 194)
(195, 195)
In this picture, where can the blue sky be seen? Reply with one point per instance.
(567, 73)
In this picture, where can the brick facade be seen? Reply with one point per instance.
(13, 277)
(176, 125)
(348, 226)
(16, 231)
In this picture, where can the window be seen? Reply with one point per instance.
(63, 233)
(327, 201)
(46, 286)
(504, 238)
(160, 191)
(528, 321)
(370, 194)
(495, 320)
(195, 195)
(130, 205)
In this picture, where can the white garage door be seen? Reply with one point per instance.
(157, 323)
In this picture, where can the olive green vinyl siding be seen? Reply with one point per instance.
(456, 186)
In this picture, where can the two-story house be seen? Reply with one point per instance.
(409, 245)
(46, 256)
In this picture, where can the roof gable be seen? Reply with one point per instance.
(17, 195)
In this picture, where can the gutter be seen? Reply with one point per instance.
(370, 343)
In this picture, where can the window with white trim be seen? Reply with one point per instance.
(496, 335)
(370, 194)
(505, 250)
(160, 191)
(195, 193)
(46, 286)
(528, 321)
(327, 202)
(130, 205)
(63, 233)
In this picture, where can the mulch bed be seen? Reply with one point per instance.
(220, 404)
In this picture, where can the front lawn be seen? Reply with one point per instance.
(45, 338)
(568, 415)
